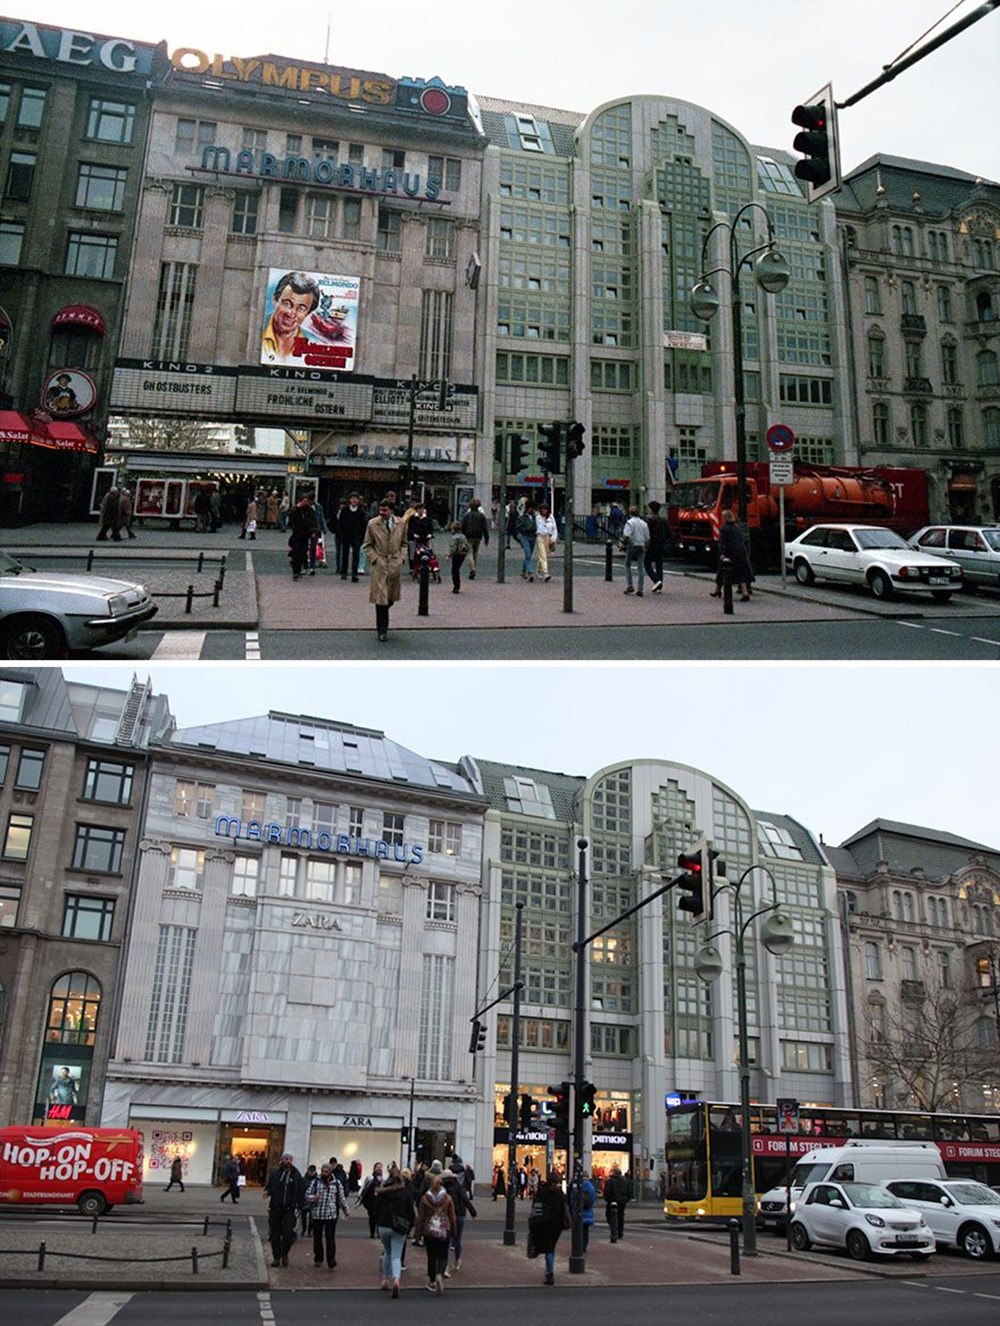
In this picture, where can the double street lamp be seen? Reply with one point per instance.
(777, 935)
(771, 274)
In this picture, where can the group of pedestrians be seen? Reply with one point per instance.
(550, 1214)
(116, 515)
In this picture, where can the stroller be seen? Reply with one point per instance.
(424, 552)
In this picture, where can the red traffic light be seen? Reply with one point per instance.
(690, 862)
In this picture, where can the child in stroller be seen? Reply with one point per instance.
(423, 548)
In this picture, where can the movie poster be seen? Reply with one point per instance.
(310, 320)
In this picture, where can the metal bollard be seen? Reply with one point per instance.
(734, 1247)
(201, 562)
(609, 555)
(218, 590)
(90, 560)
(194, 1261)
(41, 1256)
(423, 610)
(222, 569)
(190, 597)
(726, 567)
(93, 1225)
(225, 1253)
(205, 1227)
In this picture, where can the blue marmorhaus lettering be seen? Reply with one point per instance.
(343, 844)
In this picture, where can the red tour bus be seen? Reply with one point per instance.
(93, 1169)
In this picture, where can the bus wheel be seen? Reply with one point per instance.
(91, 1203)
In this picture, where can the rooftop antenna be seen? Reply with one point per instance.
(329, 25)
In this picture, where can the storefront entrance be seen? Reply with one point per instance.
(257, 1148)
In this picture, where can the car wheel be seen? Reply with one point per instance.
(858, 1248)
(941, 595)
(801, 1241)
(803, 572)
(880, 585)
(975, 1242)
(29, 638)
(91, 1203)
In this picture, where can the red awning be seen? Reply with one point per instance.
(63, 436)
(15, 427)
(80, 315)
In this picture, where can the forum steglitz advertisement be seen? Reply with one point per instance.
(310, 320)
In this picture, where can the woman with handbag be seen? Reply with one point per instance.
(393, 1219)
(436, 1223)
(549, 1217)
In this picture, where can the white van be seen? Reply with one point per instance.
(859, 1160)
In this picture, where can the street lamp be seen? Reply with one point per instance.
(771, 274)
(777, 935)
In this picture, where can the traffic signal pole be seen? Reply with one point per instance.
(509, 1230)
(577, 1258)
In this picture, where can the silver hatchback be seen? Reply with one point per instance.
(976, 548)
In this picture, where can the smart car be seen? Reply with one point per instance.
(863, 1218)
(46, 614)
(870, 555)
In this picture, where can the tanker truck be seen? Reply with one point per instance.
(819, 494)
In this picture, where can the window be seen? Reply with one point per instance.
(17, 839)
(100, 187)
(288, 211)
(908, 294)
(174, 310)
(187, 868)
(87, 918)
(254, 806)
(193, 136)
(914, 365)
(393, 159)
(20, 174)
(293, 145)
(350, 892)
(880, 424)
(287, 871)
(441, 902)
(908, 963)
(356, 154)
(30, 767)
(389, 236)
(436, 327)
(392, 829)
(246, 208)
(4, 101)
(949, 364)
(440, 238)
(324, 149)
(876, 357)
(254, 139)
(98, 848)
(4, 763)
(944, 969)
(110, 121)
(321, 879)
(444, 836)
(74, 1005)
(448, 170)
(356, 821)
(194, 800)
(10, 898)
(324, 817)
(956, 428)
(187, 206)
(873, 303)
(107, 780)
(351, 218)
(873, 962)
(437, 996)
(170, 995)
(91, 255)
(245, 872)
(528, 133)
(918, 425)
(806, 1057)
(944, 303)
(321, 216)
(987, 370)
(32, 108)
(12, 697)
(11, 240)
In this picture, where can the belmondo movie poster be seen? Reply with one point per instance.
(310, 320)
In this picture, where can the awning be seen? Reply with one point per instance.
(63, 436)
(80, 315)
(16, 427)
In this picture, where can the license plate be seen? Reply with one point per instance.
(939, 580)
(907, 1238)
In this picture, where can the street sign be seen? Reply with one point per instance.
(780, 438)
(782, 471)
(788, 1114)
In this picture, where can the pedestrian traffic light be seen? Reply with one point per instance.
(527, 1111)
(550, 449)
(404, 1136)
(477, 1041)
(694, 883)
(510, 1110)
(588, 1105)
(518, 446)
(574, 441)
(817, 141)
(498, 448)
(560, 1107)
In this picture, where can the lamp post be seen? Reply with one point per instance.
(771, 273)
(409, 1134)
(777, 935)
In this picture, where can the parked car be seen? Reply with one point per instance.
(45, 614)
(976, 548)
(960, 1212)
(863, 1218)
(870, 555)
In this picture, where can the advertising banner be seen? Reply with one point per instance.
(310, 320)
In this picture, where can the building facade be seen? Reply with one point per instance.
(73, 761)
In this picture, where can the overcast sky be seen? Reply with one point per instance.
(835, 747)
(749, 63)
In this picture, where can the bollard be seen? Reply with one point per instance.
(201, 562)
(726, 566)
(93, 1225)
(609, 553)
(225, 1253)
(205, 1227)
(90, 560)
(41, 1256)
(190, 597)
(425, 581)
(194, 1261)
(222, 569)
(215, 597)
(734, 1247)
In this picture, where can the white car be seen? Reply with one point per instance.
(961, 1213)
(44, 614)
(870, 555)
(863, 1218)
(976, 548)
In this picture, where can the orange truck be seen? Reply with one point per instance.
(92, 1169)
(819, 494)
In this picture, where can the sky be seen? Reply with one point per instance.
(834, 747)
(748, 63)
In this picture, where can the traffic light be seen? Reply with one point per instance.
(574, 441)
(550, 450)
(404, 1136)
(694, 883)
(817, 141)
(518, 446)
(560, 1107)
(588, 1105)
(527, 1111)
(510, 1110)
(477, 1041)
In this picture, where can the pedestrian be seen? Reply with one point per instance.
(635, 540)
(546, 538)
(284, 1190)
(522, 1183)
(394, 1217)
(127, 511)
(368, 1196)
(548, 1218)
(327, 1203)
(476, 529)
(733, 547)
(176, 1174)
(436, 1224)
(526, 530)
(305, 1212)
(302, 525)
(354, 1177)
(271, 508)
(202, 508)
(250, 519)
(214, 511)
(458, 550)
(284, 510)
(385, 540)
(616, 519)
(111, 515)
(510, 523)
(588, 1194)
(231, 1174)
(350, 524)
(419, 531)
(457, 1186)
(499, 1182)
(659, 541)
(616, 1196)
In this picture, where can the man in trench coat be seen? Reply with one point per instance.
(385, 548)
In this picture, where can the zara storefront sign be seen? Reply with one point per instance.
(340, 844)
